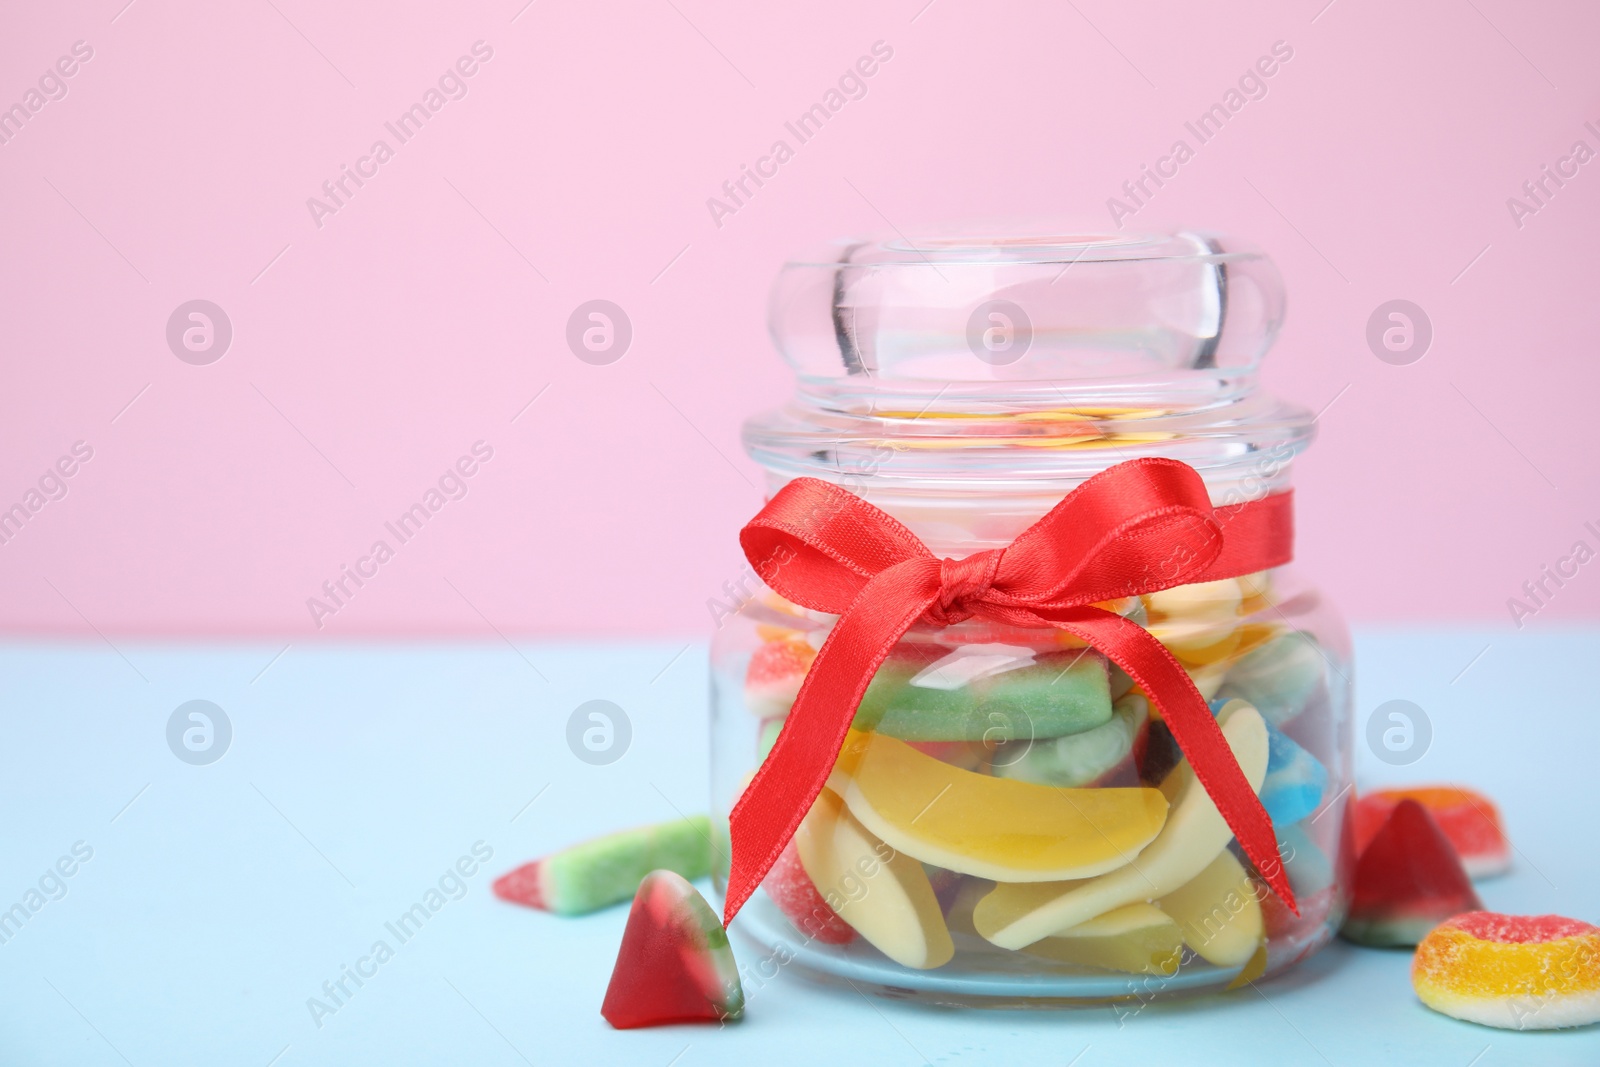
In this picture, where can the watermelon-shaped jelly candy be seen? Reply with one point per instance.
(1469, 819)
(607, 870)
(1407, 882)
(675, 964)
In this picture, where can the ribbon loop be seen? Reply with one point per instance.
(1136, 527)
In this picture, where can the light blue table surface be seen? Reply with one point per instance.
(219, 898)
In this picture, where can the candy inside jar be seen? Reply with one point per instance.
(1010, 817)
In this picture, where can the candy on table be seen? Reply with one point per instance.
(990, 827)
(1515, 972)
(607, 870)
(773, 678)
(920, 695)
(1469, 820)
(1295, 780)
(1077, 759)
(1218, 912)
(1138, 938)
(1407, 881)
(792, 890)
(1016, 914)
(1279, 677)
(675, 964)
(883, 894)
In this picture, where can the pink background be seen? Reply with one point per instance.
(370, 353)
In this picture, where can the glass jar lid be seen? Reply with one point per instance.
(1023, 357)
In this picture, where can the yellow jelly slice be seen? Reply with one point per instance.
(1017, 915)
(989, 827)
(883, 894)
(1218, 912)
(1138, 938)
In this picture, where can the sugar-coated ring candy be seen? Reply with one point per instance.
(1468, 818)
(883, 894)
(1515, 972)
(990, 827)
(1018, 914)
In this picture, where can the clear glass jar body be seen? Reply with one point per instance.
(983, 754)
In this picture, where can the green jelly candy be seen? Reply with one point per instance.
(1056, 693)
(1279, 678)
(608, 870)
(1076, 759)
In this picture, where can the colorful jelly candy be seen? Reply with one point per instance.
(918, 695)
(1218, 912)
(1018, 914)
(1407, 881)
(990, 827)
(607, 870)
(792, 890)
(772, 680)
(1515, 972)
(1138, 939)
(675, 964)
(1280, 677)
(884, 895)
(1077, 759)
(1469, 819)
(1197, 622)
(1295, 780)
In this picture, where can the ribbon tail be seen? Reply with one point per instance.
(769, 812)
(1194, 728)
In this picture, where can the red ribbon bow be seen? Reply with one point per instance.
(1137, 527)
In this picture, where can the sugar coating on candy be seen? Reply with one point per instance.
(792, 890)
(1469, 820)
(1055, 693)
(607, 870)
(1519, 929)
(772, 680)
(1516, 972)
(675, 964)
(1077, 759)
(1407, 881)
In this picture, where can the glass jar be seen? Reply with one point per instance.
(964, 385)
